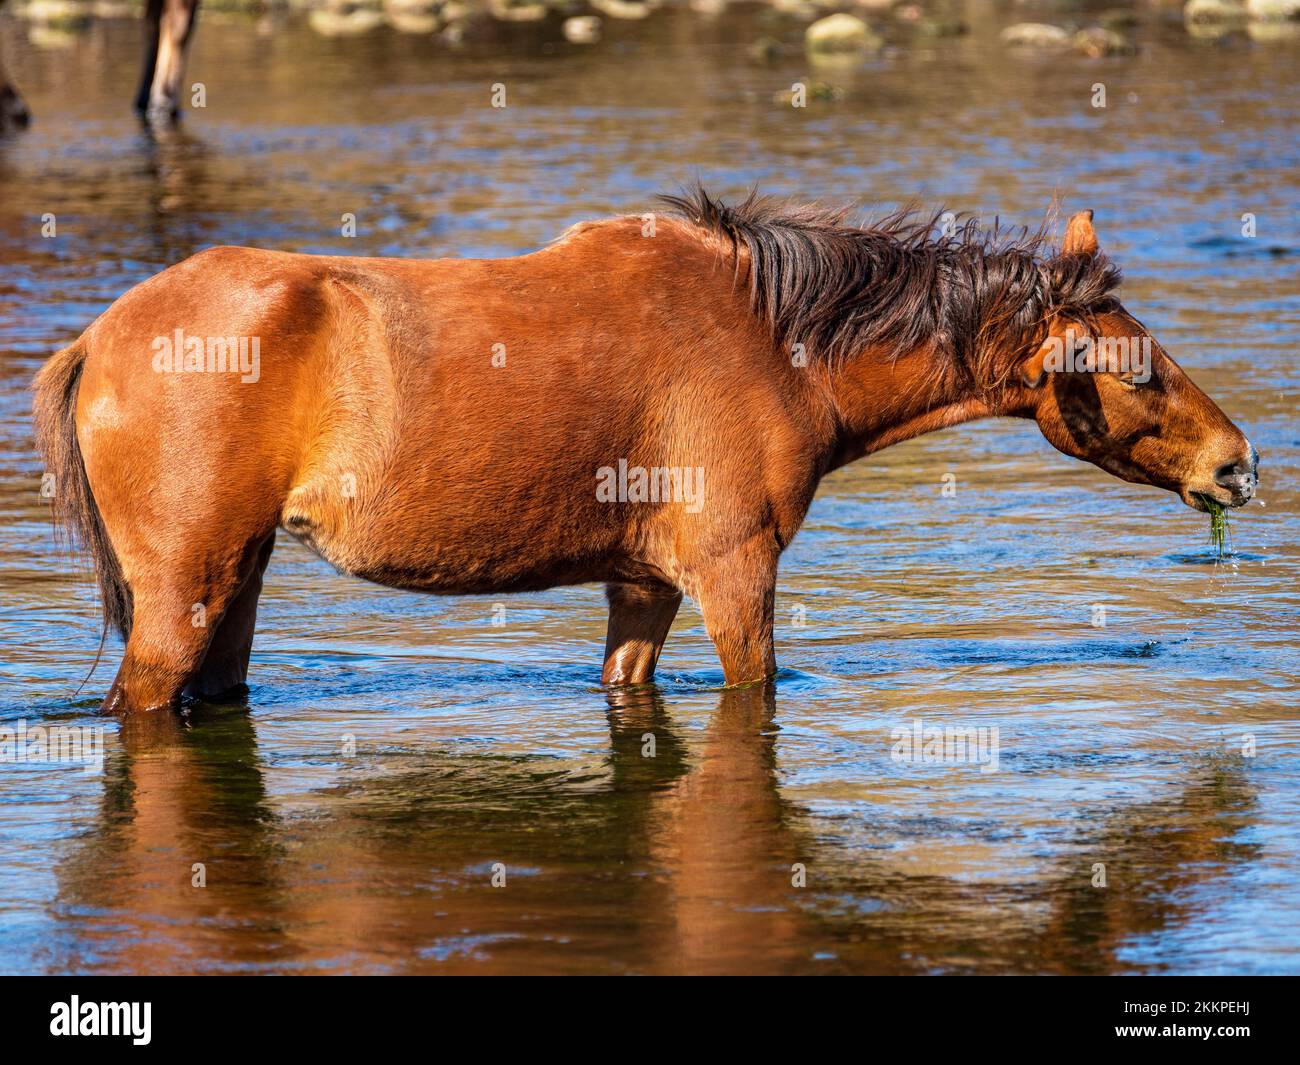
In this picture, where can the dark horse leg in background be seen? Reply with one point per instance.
(167, 28)
(13, 115)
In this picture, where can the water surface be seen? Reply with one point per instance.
(396, 750)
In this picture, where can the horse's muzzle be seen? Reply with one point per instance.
(1241, 478)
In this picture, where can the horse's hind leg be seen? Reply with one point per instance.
(225, 666)
(640, 616)
(179, 603)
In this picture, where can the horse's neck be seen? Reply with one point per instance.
(881, 401)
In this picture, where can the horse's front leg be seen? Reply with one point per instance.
(737, 594)
(167, 28)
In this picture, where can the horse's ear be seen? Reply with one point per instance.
(1080, 237)
(1034, 368)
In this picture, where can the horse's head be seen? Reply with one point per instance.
(1102, 389)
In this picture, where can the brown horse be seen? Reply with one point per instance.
(648, 402)
(167, 28)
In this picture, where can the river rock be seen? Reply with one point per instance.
(1035, 35)
(344, 20)
(839, 34)
(1201, 12)
(583, 29)
(1270, 32)
(417, 17)
(1097, 41)
(801, 9)
(517, 10)
(410, 7)
(57, 14)
(52, 38)
(1274, 10)
(632, 9)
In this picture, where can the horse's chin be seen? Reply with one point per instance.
(1196, 498)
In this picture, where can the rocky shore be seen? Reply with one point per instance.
(834, 31)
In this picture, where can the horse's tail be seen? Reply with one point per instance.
(76, 515)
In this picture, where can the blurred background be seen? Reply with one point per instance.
(1161, 744)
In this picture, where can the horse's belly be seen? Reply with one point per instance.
(435, 542)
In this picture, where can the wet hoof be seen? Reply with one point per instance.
(118, 704)
(157, 114)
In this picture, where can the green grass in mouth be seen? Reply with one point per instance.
(1219, 535)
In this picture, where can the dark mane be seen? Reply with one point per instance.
(898, 284)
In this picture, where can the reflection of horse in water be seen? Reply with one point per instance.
(661, 867)
(677, 863)
(167, 28)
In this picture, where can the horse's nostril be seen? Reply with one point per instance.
(1231, 474)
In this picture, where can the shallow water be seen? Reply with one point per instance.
(482, 747)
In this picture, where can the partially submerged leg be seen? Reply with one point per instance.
(152, 22)
(179, 603)
(225, 666)
(640, 616)
(168, 26)
(737, 593)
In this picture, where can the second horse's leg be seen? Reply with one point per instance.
(167, 28)
(13, 115)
